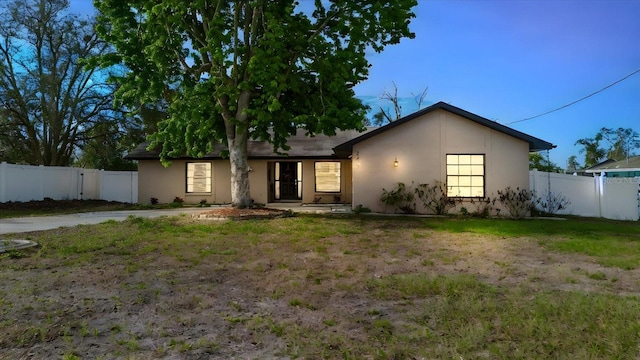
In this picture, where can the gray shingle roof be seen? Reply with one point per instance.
(633, 164)
(302, 146)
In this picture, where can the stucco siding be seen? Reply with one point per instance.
(309, 192)
(166, 183)
(421, 146)
(156, 181)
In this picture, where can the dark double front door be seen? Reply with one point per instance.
(287, 180)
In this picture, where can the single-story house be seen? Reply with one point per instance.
(474, 156)
(611, 168)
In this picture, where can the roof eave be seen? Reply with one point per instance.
(595, 171)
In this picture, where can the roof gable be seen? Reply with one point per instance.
(535, 144)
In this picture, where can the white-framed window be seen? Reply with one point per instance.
(328, 176)
(198, 177)
(465, 175)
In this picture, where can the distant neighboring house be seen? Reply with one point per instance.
(474, 156)
(610, 168)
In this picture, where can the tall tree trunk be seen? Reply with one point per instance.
(240, 192)
(237, 129)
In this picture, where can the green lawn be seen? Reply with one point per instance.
(612, 243)
(348, 287)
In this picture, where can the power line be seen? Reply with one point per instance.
(577, 101)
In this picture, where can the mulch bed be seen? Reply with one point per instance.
(242, 214)
(51, 205)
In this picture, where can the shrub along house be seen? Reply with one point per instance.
(474, 156)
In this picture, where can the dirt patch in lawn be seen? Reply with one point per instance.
(221, 293)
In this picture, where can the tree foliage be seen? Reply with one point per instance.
(542, 163)
(572, 164)
(593, 152)
(618, 144)
(107, 143)
(231, 71)
(106, 147)
(49, 102)
(622, 142)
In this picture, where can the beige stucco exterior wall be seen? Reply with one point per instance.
(308, 186)
(165, 184)
(421, 146)
(154, 180)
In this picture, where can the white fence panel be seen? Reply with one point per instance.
(20, 183)
(90, 184)
(26, 183)
(119, 186)
(581, 191)
(611, 198)
(59, 183)
(619, 198)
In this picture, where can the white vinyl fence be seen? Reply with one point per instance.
(611, 198)
(26, 183)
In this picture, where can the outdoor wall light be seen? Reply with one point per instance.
(395, 163)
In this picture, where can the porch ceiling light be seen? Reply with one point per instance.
(395, 163)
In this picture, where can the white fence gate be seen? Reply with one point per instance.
(611, 198)
(26, 183)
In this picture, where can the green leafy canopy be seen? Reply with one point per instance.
(233, 70)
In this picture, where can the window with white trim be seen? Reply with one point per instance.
(198, 177)
(328, 176)
(465, 175)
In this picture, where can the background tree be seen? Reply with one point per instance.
(105, 146)
(542, 163)
(593, 153)
(620, 142)
(385, 116)
(231, 71)
(49, 103)
(572, 164)
(107, 143)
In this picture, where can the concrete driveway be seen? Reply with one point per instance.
(37, 223)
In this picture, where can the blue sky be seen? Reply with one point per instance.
(509, 60)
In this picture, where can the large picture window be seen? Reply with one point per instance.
(328, 176)
(199, 177)
(465, 175)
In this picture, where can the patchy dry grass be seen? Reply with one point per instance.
(325, 287)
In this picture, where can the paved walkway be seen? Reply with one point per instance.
(38, 223)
